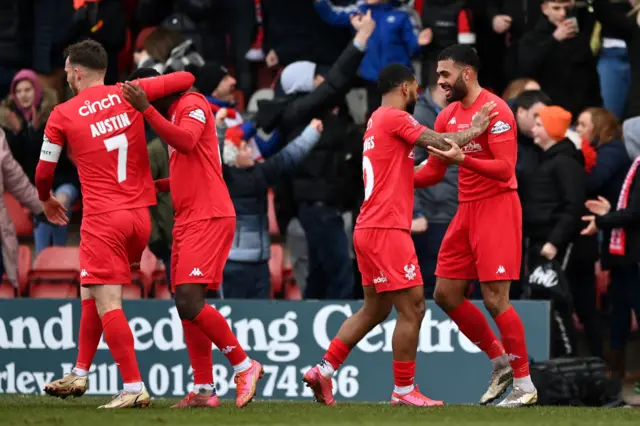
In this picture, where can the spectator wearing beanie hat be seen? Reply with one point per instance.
(218, 86)
(554, 191)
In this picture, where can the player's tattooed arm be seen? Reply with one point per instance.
(479, 124)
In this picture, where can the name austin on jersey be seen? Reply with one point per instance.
(110, 124)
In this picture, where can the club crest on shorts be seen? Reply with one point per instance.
(410, 271)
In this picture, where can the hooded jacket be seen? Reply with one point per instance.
(394, 40)
(26, 143)
(553, 195)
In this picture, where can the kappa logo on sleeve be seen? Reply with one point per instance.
(499, 127)
(198, 114)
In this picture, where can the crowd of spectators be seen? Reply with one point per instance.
(292, 84)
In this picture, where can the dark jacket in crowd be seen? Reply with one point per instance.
(327, 174)
(437, 203)
(16, 33)
(524, 15)
(606, 180)
(295, 31)
(566, 69)
(615, 19)
(528, 154)
(553, 195)
(627, 219)
(248, 190)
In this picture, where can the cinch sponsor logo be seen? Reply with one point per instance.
(93, 107)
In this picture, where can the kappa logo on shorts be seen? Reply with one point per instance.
(84, 273)
(380, 279)
(410, 271)
(196, 273)
(501, 270)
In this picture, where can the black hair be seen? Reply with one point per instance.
(394, 75)
(142, 73)
(529, 98)
(87, 53)
(461, 54)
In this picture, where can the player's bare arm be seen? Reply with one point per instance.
(479, 124)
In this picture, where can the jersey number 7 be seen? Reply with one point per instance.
(121, 143)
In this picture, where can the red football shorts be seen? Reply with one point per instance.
(386, 259)
(200, 250)
(484, 240)
(110, 242)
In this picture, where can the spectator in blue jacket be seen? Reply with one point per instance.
(246, 273)
(396, 38)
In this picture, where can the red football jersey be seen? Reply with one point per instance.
(198, 189)
(387, 169)
(106, 139)
(454, 118)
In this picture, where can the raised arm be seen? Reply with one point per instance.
(163, 85)
(190, 120)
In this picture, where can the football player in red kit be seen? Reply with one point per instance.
(205, 223)
(484, 238)
(382, 240)
(107, 139)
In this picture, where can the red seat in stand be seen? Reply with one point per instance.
(55, 274)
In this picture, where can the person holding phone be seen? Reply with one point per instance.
(558, 55)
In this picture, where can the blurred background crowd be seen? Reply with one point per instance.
(569, 69)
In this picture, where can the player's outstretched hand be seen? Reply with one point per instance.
(453, 156)
(56, 213)
(591, 228)
(134, 94)
(482, 118)
(317, 124)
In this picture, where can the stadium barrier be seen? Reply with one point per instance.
(38, 342)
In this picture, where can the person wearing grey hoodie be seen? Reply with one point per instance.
(434, 206)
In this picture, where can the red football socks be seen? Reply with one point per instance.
(118, 336)
(513, 339)
(217, 330)
(199, 348)
(337, 353)
(473, 324)
(89, 335)
(403, 373)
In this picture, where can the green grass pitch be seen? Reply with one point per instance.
(17, 410)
